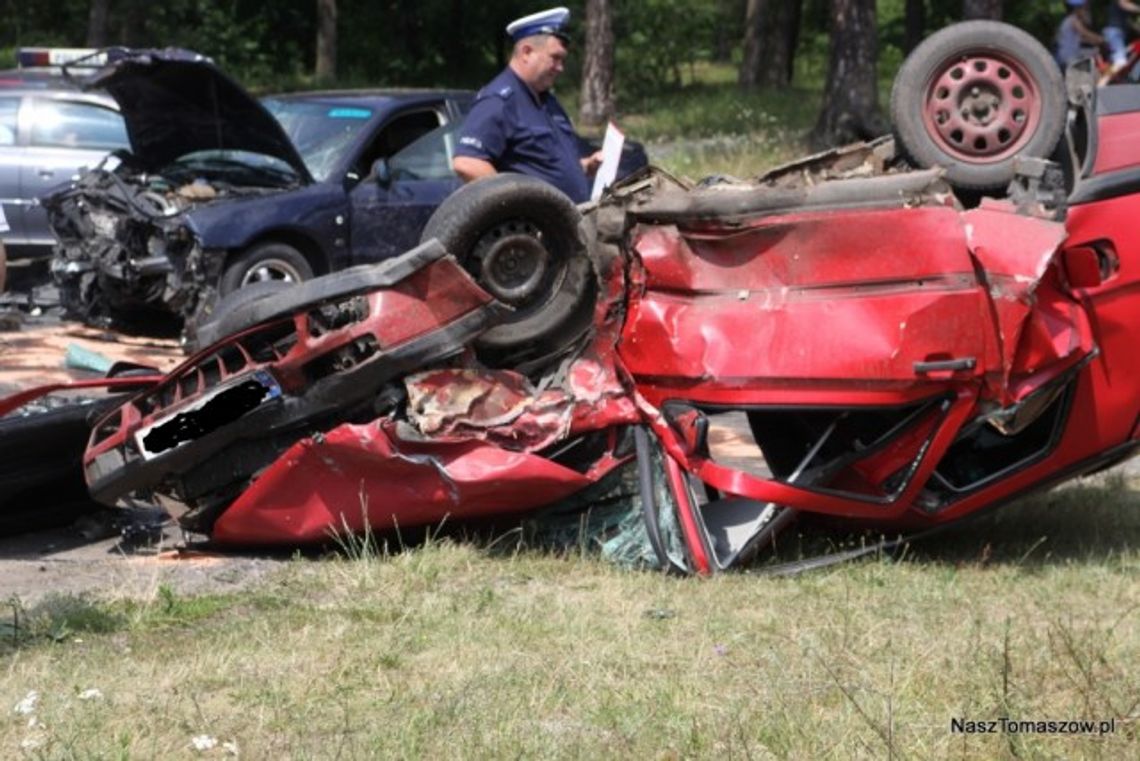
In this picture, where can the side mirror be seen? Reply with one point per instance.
(382, 172)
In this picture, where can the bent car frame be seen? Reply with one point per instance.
(897, 358)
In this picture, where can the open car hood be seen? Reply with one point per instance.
(176, 102)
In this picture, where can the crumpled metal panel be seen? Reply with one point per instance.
(830, 296)
(1037, 324)
(359, 477)
(505, 408)
(467, 448)
(500, 406)
(801, 250)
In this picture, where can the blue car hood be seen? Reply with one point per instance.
(176, 102)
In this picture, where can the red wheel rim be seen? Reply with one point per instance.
(981, 107)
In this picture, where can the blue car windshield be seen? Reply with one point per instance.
(321, 131)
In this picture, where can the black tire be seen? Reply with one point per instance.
(3, 268)
(972, 97)
(208, 328)
(41, 466)
(265, 261)
(511, 227)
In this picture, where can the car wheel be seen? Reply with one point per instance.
(972, 97)
(267, 261)
(518, 237)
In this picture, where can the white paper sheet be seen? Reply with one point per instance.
(611, 155)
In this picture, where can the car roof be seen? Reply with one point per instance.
(52, 88)
(49, 82)
(61, 70)
(36, 79)
(379, 97)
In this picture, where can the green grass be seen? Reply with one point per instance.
(448, 651)
(710, 126)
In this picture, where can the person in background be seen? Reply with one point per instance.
(1075, 36)
(517, 125)
(1115, 33)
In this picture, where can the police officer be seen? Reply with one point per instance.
(517, 125)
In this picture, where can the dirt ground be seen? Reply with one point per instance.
(91, 555)
(36, 351)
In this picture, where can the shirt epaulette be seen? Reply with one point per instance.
(503, 93)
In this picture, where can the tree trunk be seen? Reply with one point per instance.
(597, 101)
(792, 26)
(781, 31)
(850, 98)
(754, 14)
(984, 9)
(97, 24)
(724, 33)
(326, 40)
(914, 24)
(133, 30)
(457, 58)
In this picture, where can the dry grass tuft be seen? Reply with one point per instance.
(445, 651)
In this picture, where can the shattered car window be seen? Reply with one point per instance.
(319, 130)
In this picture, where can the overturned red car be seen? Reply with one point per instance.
(899, 354)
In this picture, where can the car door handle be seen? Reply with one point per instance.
(945, 365)
(46, 173)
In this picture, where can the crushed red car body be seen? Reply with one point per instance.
(899, 360)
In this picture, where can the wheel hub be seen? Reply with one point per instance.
(271, 269)
(513, 263)
(981, 108)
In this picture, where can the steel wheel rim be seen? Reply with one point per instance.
(513, 264)
(981, 107)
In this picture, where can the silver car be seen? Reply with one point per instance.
(49, 130)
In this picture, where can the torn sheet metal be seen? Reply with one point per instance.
(365, 476)
(504, 407)
(1038, 324)
(501, 406)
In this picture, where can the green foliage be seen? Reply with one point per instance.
(659, 39)
(245, 39)
(271, 46)
(424, 42)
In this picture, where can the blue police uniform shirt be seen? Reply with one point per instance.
(516, 131)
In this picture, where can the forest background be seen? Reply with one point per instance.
(666, 69)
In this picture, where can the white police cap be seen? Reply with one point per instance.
(552, 21)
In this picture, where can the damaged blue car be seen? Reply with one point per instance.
(220, 190)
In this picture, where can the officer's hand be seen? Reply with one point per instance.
(591, 163)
